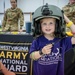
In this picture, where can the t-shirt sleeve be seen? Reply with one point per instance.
(33, 47)
(68, 43)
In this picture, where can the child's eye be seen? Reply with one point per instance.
(50, 23)
(44, 24)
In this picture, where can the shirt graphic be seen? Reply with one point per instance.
(52, 58)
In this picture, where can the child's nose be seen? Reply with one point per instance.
(48, 25)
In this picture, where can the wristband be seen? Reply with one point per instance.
(33, 56)
(69, 24)
(40, 52)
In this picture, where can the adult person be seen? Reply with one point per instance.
(69, 11)
(12, 17)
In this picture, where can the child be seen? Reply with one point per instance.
(47, 50)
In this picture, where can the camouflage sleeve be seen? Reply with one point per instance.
(68, 11)
(21, 16)
(4, 20)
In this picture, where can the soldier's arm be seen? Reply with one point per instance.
(21, 16)
(4, 20)
(71, 25)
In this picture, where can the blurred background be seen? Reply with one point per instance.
(29, 6)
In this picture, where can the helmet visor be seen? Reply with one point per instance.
(41, 17)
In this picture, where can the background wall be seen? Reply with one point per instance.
(29, 6)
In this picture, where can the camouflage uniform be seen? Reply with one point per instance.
(69, 11)
(11, 19)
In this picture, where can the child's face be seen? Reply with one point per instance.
(48, 25)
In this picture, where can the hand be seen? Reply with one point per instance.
(20, 30)
(47, 49)
(5, 71)
(10, 73)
